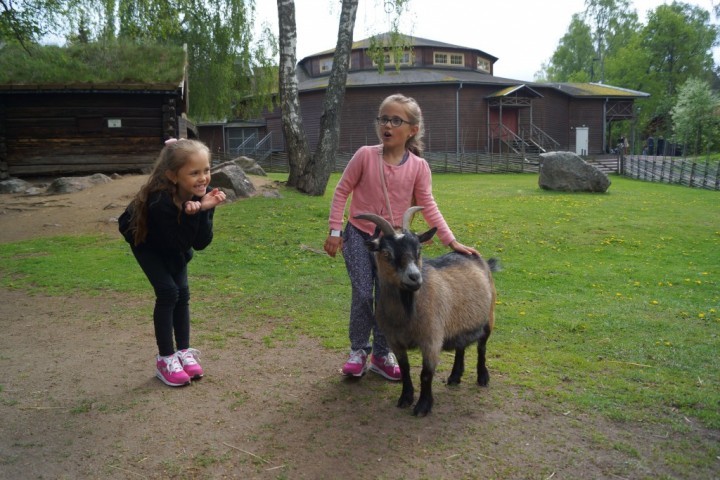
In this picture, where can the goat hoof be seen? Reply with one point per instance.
(404, 402)
(453, 381)
(421, 410)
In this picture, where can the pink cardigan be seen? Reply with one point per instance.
(361, 178)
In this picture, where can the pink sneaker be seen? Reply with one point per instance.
(171, 372)
(356, 365)
(189, 360)
(386, 366)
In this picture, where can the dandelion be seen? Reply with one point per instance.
(701, 315)
(654, 302)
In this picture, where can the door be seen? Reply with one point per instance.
(581, 140)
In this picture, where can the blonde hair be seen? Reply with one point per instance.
(415, 143)
(172, 158)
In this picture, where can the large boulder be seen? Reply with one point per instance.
(567, 172)
(229, 177)
(14, 185)
(75, 184)
(249, 166)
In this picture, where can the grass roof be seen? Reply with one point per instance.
(117, 64)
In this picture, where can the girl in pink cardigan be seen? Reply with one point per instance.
(386, 180)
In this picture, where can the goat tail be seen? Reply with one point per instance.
(494, 264)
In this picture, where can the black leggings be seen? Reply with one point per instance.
(172, 298)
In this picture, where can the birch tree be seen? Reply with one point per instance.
(310, 173)
(295, 141)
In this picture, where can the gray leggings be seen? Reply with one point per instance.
(363, 279)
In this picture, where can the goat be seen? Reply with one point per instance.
(444, 303)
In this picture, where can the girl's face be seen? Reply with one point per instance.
(193, 177)
(395, 137)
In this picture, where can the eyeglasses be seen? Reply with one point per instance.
(394, 121)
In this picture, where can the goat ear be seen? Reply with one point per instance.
(373, 244)
(424, 237)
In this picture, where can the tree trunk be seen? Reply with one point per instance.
(296, 144)
(316, 172)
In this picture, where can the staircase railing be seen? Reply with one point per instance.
(544, 141)
(258, 150)
(247, 147)
(504, 136)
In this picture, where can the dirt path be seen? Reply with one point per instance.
(78, 399)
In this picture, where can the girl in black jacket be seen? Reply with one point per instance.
(169, 217)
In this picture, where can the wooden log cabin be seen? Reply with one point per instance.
(50, 130)
(76, 126)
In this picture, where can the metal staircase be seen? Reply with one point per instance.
(255, 148)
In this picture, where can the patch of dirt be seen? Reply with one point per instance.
(94, 209)
(78, 398)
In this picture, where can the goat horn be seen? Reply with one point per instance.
(384, 225)
(407, 217)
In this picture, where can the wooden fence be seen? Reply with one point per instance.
(439, 163)
(681, 171)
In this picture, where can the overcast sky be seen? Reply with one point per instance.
(522, 34)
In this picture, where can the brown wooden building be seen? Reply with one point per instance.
(466, 108)
(70, 129)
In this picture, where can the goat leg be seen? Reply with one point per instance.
(483, 376)
(407, 397)
(458, 367)
(425, 402)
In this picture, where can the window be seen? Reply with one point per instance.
(451, 59)
(326, 64)
(389, 58)
(483, 65)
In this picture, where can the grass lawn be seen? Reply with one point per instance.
(610, 302)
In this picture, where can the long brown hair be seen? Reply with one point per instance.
(172, 158)
(415, 143)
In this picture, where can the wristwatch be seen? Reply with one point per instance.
(335, 233)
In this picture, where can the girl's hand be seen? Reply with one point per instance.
(191, 208)
(460, 248)
(212, 199)
(332, 245)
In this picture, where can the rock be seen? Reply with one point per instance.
(567, 172)
(249, 166)
(14, 185)
(75, 184)
(232, 180)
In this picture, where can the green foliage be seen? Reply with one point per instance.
(25, 22)
(574, 57)
(393, 45)
(101, 62)
(608, 44)
(694, 116)
(609, 303)
(230, 73)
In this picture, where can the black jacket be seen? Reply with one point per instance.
(172, 234)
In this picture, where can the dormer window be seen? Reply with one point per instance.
(326, 64)
(449, 59)
(389, 58)
(483, 65)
